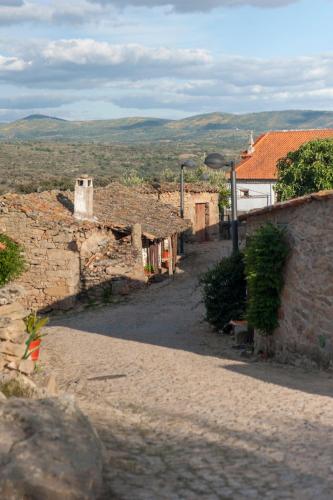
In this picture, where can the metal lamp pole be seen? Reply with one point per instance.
(185, 164)
(234, 217)
(217, 162)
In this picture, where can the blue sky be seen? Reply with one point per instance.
(98, 59)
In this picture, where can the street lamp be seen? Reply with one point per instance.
(218, 162)
(185, 164)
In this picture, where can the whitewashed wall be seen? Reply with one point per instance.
(261, 194)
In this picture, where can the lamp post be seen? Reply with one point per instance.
(186, 164)
(217, 162)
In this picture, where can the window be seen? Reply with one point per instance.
(244, 193)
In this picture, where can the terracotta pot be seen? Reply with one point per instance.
(34, 349)
(165, 254)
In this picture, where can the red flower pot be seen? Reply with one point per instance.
(34, 349)
(165, 254)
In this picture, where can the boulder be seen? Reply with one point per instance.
(48, 450)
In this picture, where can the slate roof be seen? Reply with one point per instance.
(172, 187)
(271, 147)
(115, 206)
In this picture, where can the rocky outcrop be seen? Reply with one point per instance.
(48, 450)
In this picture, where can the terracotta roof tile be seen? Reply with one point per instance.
(271, 147)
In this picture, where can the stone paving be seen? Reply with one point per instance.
(181, 416)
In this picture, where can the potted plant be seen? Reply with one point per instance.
(148, 270)
(34, 324)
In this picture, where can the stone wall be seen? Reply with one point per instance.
(306, 315)
(13, 332)
(190, 200)
(66, 260)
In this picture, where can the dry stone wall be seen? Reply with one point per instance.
(65, 260)
(12, 332)
(306, 315)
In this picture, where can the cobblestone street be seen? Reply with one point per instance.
(180, 414)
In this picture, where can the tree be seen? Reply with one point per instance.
(305, 171)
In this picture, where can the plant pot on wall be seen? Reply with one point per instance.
(33, 350)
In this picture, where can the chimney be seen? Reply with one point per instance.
(84, 198)
(251, 149)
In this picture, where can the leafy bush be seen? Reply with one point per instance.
(11, 260)
(265, 257)
(224, 291)
(305, 171)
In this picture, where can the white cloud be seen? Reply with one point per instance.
(54, 12)
(141, 77)
(197, 5)
(12, 64)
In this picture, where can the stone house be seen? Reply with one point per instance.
(306, 314)
(90, 243)
(201, 206)
(257, 172)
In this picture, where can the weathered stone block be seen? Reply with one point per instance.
(48, 450)
(16, 350)
(13, 311)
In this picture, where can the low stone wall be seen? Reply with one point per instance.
(306, 315)
(12, 332)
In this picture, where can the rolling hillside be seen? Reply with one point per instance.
(210, 128)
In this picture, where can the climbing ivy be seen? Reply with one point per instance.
(265, 258)
(12, 262)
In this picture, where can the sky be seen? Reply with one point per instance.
(103, 59)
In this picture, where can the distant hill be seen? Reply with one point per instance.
(208, 128)
(41, 117)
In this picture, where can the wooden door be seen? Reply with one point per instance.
(200, 221)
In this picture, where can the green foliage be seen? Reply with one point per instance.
(15, 389)
(224, 291)
(149, 269)
(12, 262)
(132, 178)
(265, 257)
(305, 171)
(34, 325)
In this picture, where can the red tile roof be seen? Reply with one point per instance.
(271, 147)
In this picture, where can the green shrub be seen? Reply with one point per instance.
(265, 258)
(224, 291)
(12, 262)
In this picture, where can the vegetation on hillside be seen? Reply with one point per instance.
(305, 171)
(38, 166)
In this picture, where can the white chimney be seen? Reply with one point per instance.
(84, 198)
(251, 149)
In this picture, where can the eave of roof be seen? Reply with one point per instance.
(295, 202)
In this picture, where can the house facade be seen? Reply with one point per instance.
(201, 206)
(89, 244)
(257, 171)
